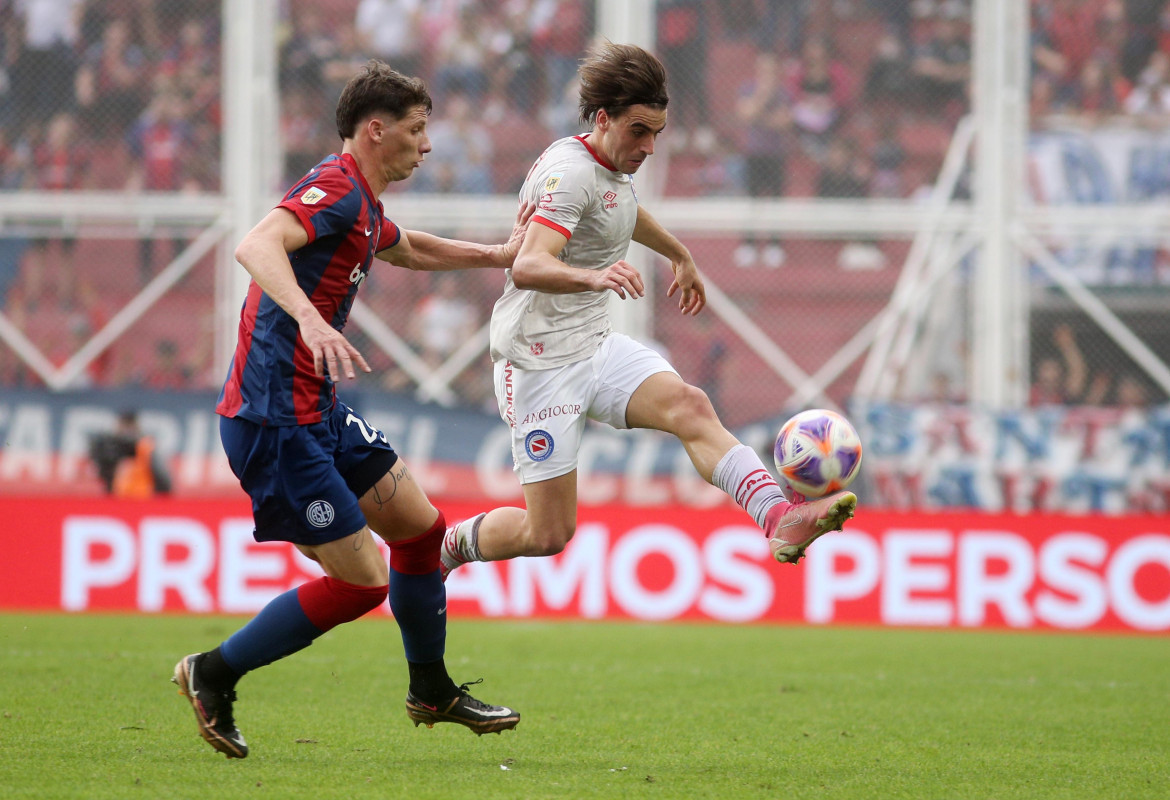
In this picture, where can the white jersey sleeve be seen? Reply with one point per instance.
(593, 207)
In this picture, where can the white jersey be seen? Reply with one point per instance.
(579, 195)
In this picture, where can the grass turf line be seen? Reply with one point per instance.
(609, 710)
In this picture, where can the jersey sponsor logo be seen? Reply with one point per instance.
(553, 181)
(610, 199)
(319, 513)
(312, 196)
(562, 410)
(538, 445)
(537, 348)
(545, 203)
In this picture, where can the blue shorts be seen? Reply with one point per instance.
(305, 480)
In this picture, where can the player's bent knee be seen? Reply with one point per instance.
(691, 410)
(420, 555)
(550, 542)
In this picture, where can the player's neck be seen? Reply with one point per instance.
(364, 161)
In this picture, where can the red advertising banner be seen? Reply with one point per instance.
(935, 570)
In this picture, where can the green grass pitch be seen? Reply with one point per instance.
(610, 710)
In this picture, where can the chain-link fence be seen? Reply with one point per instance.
(842, 114)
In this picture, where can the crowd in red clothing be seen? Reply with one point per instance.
(831, 98)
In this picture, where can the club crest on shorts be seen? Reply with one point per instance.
(538, 445)
(319, 513)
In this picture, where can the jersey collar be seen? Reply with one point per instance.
(596, 155)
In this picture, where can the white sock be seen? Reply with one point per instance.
(743, 475)
(468, 543)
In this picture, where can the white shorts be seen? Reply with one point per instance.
(546, 409)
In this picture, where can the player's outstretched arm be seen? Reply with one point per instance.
(687, 280)
(425, 252)
(539, 268)
(264, 253)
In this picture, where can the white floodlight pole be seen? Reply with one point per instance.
(999, 333)
(251, 148)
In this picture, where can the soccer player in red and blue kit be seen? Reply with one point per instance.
(319, 475)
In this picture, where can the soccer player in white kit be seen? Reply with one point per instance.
(558, 361)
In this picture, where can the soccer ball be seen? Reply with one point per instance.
(817, 452)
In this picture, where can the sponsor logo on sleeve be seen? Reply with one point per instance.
(312, 196)
(538, 445)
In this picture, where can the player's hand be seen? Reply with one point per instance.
(620, 277)
(692, 293)
(511, 247)
(331, 351)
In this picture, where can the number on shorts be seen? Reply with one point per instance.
(371, 434)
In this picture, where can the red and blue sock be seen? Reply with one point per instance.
(418, 597)
(291, 621)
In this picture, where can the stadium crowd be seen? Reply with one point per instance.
(795, 98)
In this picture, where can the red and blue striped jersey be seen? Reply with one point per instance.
(271, 379)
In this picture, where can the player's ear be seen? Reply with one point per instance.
(376, 129)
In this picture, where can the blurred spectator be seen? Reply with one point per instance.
(682, 46)
(461, 57)
(442, 321)
(560, 34)
(194, 60)
(1048, 64)
(842, 174)
(713, 362)
(888, 83)
(515, 78)
(60, 163)
(307, 50)
(126, 461)
(111, 84)
(888, 157)
(1072, 27)
(168, 371)
(1060, 380)
(1147, 30)
(1151, 93)
(1131, 393)
(346, 59)
(43, 71)
(461, 151)
(845, 174)
(942, 67)
(161, 143)
(764, 114)
(305, 134)
(822, 88)
(392, 31)
(1100, 90)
